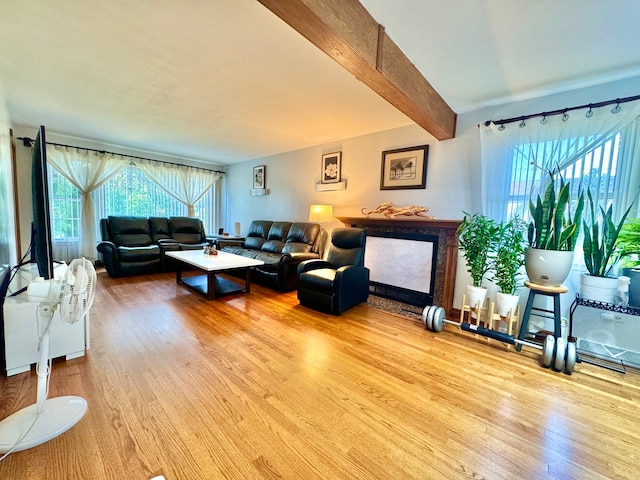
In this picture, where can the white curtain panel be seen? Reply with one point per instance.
(557, 141)
(185, 184)
(630, 170)
(86, 170)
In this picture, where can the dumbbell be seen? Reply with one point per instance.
(557, 353)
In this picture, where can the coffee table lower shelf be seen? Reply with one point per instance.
(212, 285)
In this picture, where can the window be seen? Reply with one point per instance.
(130, 192)
(593, 170)
(595, 151)
(65, 205)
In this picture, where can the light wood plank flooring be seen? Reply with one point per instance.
(257, 387)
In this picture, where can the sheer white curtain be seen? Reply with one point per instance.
(185, 184)
(627, 191)
(86, 170)
(510, 155)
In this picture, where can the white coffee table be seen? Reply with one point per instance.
(209, 284)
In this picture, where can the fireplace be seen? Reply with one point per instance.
(402, 266)
(412, 260)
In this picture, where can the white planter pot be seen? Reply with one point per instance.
(475, 295)
(506, 303)
(548, 267)
(599, 289)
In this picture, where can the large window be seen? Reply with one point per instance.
(596, 150)
(130, 192)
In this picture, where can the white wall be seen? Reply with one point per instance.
(453, 169)
(291, 180)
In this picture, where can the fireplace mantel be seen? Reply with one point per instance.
(447, 254)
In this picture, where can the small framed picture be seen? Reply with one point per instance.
(259, 176)
(404, 168)
(331, 167)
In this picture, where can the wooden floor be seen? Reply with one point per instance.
(257, 387)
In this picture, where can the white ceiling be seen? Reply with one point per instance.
(225, 81)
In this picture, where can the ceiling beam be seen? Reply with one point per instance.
(345, 31)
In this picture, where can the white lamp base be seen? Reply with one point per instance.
(58, 416)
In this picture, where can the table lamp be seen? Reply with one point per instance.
(321, 213)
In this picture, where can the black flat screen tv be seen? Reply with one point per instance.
(41, 244)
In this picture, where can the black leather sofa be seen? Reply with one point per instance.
(281, 246)
(136, 245)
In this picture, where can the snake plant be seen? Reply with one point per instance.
(600, 239)
(552, 226)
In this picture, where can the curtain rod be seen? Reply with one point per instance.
(563, 111)
(28, 142)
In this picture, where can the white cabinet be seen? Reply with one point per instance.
(21, 334)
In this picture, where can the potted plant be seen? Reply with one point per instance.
(599, 245)
(476, 236)
(628, 255)
(507, 263)
(553, 232)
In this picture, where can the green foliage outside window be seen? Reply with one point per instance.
(65, 207)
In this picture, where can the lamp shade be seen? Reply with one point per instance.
(321, 213)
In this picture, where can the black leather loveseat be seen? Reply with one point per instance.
(135, 245)
(281, 246)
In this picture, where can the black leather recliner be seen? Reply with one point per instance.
(127, 246)
(339, 282)
(177, 233)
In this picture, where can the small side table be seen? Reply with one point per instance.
(220, 240)
(549, 291)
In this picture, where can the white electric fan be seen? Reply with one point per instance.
(46, 419)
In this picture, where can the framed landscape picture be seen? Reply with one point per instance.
(331, 167)
(259, 177)
(404, 168)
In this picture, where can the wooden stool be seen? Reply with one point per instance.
(548, 291)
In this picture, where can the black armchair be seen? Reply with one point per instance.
(339, 282)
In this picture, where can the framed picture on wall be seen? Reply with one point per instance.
(331, 167)
(259, 177)
(404, 168)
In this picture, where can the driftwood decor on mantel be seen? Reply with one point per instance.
(391, 210)
(447, 251)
